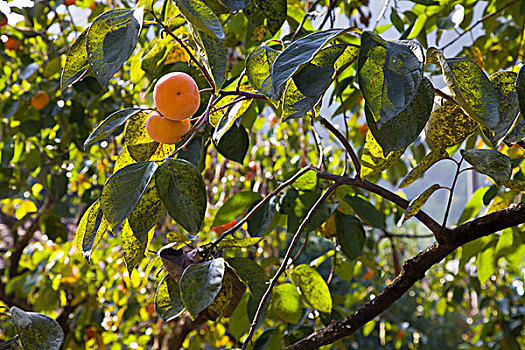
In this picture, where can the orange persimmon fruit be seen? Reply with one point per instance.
(164, 130)
(176, 96)
(40, 100)
(12, 43)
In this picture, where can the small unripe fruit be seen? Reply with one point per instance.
(164, 130)
(176, 96)
(40, 100)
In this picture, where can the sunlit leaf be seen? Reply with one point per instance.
(430, 159)
(235, 206)
(448, 126)
(258, 69)
(473, 206)
(201, 16)
(108, 125)
(312, 287)
(77, 63)
(417, 203)
(90, 229)
(286, 303)
(239, 243)
(373, 160)
(503, 83)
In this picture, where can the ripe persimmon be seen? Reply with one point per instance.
(3, 21)
(70, 2)
(176, 95)
(164, 130)
(12, 43)
(40, 100)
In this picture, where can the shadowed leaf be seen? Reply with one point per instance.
(37, 331)
(489, 162)
(201, 16)
(168, 302)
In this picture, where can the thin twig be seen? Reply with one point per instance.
(484, 18)
(445, 96)
(382, 13)
(306, 15)
(452, 193)
(284, 263)
(242, 93)
(345, 143)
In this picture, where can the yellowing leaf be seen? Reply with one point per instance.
(425, 164)
(448, 126)
(417, 203)
(313, 288)
(373, 160)
(286, 303)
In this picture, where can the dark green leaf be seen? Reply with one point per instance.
(91, 229)
(234, 144)
(313, 287)
(350, 235)
(404, 128)
(235, 5)
(366, 211)
(183, 192)
(123, 190)
(261, 220)
(503, 83)
(215, 57)
(111, 40)
(234, 207)
(168, 302)
(109, 125)
(252, 274)
(520, 89)
(77, 62)
(274, 11)
(200, 283)
(201, 16)
(297, 54)
(389, 75)
(489, 162)
(518, 131)
(37, 331)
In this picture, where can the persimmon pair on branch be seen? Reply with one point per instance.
(177, 98)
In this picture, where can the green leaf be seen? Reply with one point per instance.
(350, 235)
(286, 303)
(366, 211)
(183, 193)
(91, 229)
(229, 118)
(490, 162)
(470, 87)
(274, 11)
(234, 207)
(404, 128)
(261, 220)
(110, 124)
(417, 203)
(234, 144)
(168, 302)
(239, 243)
(430, 159)
(373, 160)
(201, 16)
(37, 331)
(298, 54)
(215, 61)
(303, 206)
(200, 283)
(309, 84)
(505, 243)
(448, 126)
(77, 62)
(473, 206)
(252, 274)
(235, 5)
(486, 264)
(312, 287)
(517, 133)
(389, 74)
(111, 40)
(307, 181)
(123, 190)
(140, 145)
(258, 69)
(503, 83)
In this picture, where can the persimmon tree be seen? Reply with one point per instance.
(279, 219)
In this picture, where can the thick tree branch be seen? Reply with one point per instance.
(413, 270)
